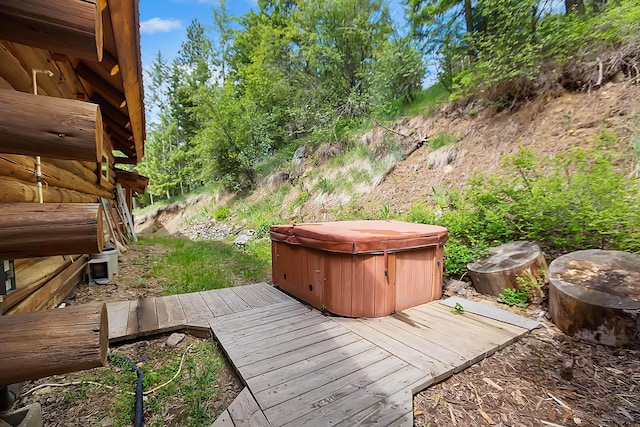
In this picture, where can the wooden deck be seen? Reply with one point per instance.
(303, 368)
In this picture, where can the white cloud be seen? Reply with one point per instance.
(159, 25)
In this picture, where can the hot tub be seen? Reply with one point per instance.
(359, 268)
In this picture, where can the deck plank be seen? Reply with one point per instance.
(269, 331)
(368, 393)
(447, 321)
(233, 300)
(170, 313)
(274, 292)
(133, 325)
(118, 313)
(195, 309)
(236, 325)
(313, 400)
(307, 365)
(268, 365)
(303, 368)
(244, 411)
(215, 303)
(260, 291)
(491, 312)
(248, 294)
(291, 342)
(384, 411)
(441, 319)
(484, 321)
(464, 347)
(223, 420)
(439, 369)
(147, 316)
(317, 378)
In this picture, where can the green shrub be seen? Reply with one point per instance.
(575, 200)
(222, 213)
(442, 140)
(326, 185)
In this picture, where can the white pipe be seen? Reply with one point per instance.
(38, 163)
(39, 178)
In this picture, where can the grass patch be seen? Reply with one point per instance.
(426, 101)
(442, 140)
(194, 266)
(190, 400)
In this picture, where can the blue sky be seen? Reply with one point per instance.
(163, 23)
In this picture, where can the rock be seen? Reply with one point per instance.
(28, 416)
(275, 180)
(107, 422)
(327, 151)
(442, 157)
(175, 339)
(244, 238)
(299, 155)
(457, 286)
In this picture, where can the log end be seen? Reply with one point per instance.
(504, 265)
(594, 295)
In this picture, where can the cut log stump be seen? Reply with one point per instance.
(50, 342)
(504, 265)
(594, 295)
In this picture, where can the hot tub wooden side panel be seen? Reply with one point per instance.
(298, 271)
(356, 285)
(418, 277)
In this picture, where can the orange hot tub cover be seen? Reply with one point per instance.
(357, 237)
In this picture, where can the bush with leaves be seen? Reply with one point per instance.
(581, 199)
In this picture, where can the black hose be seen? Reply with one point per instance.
(138, 420)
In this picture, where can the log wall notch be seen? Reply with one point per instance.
(32, 229)
(71, 27)
(50, 342)
(51, 127)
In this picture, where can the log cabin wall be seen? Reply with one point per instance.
(84, 56)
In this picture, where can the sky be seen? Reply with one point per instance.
(163, 23)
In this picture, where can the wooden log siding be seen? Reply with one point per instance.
(23, 168)
(72, 27)
(32, 275)
(50, 127)
(45, 343)
(14, 191)
(33, 229)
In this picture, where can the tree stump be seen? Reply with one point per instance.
(594, 295)
(505, 264)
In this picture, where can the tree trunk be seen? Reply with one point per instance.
(72, 27)
(33, 229)
(594, 295)
(49, 127)
(507, 263)
(51, 342)
(468, 16)
(574, 6)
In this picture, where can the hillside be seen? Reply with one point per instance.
(480, 141)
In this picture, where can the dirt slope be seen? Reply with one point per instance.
(547, 126)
